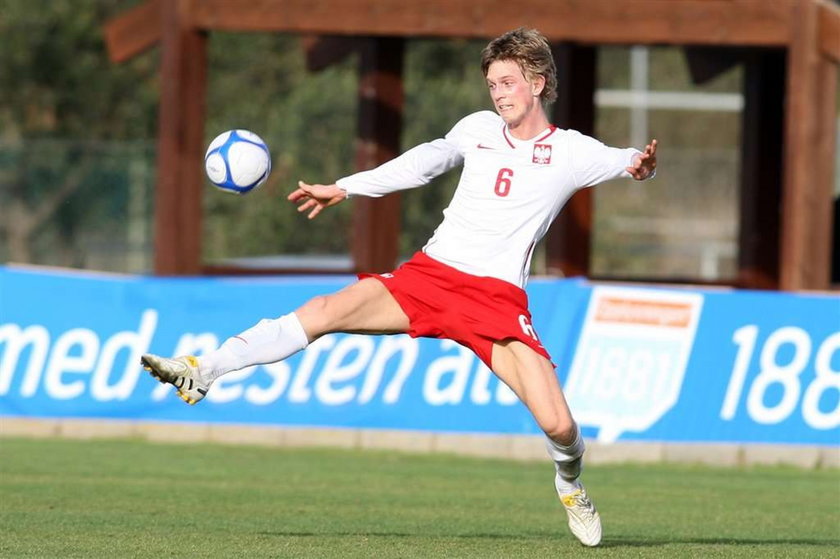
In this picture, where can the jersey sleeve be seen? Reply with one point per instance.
(416, 167)
(592, 162)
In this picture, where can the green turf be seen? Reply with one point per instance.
(61, 498)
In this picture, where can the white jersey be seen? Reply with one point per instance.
(509, 192)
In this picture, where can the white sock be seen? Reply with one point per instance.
(266, 342)
(568, 461)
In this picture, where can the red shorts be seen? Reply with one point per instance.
(475, 311)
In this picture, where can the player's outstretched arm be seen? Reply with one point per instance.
(645, 163)
(316, 197)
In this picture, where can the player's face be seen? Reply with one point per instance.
(513, 95)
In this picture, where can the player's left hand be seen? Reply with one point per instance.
(644, 164)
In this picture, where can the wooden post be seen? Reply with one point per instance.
(376, 221)
(761, 169)
(808, 156)
(569, 240)
(178, 206)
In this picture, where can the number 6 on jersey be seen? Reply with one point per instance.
(503, 181)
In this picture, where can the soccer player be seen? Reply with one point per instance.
(467, 283)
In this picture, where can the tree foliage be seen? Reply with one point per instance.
(76, 127)
(61, 101)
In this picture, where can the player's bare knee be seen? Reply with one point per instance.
(560, 430)
(316, 306)
(315, 314)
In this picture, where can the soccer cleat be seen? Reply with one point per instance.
(181, 372)
(584, 520)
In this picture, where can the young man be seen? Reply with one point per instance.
(467, 283)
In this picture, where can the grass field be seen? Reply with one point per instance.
(61, 498)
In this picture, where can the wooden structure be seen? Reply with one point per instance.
(791, 49)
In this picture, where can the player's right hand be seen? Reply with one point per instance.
(315, 197)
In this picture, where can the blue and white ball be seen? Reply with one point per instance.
(237, 161)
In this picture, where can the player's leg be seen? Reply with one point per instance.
(365, 306)
(532, 377)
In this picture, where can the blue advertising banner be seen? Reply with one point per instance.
(637, 363)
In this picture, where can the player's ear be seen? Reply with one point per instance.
(537, 85)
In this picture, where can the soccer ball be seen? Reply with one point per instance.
(237, 161)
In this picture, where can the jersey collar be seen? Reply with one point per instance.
(513, 141)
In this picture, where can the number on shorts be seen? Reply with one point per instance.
(526, 326)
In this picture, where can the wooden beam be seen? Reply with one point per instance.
(808, 157)
(829, 30)
(722, 22)
(761, 168)
(568, 243)
(133, 31)
(322, 51)
(376, 221)
(178, 197)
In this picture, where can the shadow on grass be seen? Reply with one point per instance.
(609, 542)
(366, 534)
(630, 542)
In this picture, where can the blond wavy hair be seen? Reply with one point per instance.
(531, 51)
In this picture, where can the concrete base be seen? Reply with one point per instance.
(514, 447)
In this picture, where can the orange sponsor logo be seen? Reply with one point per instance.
(648, 313)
